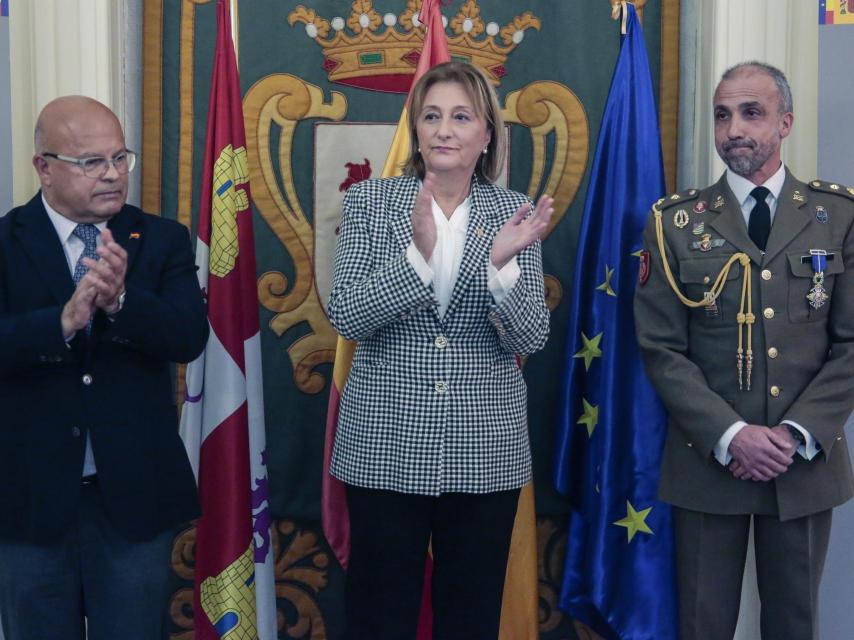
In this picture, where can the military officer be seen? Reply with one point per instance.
(745, 320)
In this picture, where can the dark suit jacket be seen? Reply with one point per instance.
(803, 368)
(115, 384)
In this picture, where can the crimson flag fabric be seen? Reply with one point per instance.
(222, 423)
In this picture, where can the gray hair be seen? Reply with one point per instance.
(779, 78)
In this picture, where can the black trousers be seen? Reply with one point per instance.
(390, 533)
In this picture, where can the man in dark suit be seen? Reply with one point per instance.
(745, 318)
(97, 299)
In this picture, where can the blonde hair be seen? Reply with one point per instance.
(485, 104)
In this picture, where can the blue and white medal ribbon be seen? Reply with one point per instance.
(818, 294)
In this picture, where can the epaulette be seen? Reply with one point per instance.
(832, 187)
(677, 198)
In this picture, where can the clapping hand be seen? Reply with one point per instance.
(520, 231)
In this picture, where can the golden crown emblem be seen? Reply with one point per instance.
(381, 52)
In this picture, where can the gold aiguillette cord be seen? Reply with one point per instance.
(743, 317)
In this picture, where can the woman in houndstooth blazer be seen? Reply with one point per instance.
(438, 276)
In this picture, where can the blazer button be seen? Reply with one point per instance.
(75, 432)
(86, 379)
(772, 352)
(768, 312)
(441, 386)
(441, 342)
(766, 274)
(774, 391)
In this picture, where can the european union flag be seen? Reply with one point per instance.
(4, 7)
(619, 576)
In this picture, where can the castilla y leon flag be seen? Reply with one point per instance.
(222, 423)
(519, 611)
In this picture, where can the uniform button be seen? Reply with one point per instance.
(75, 431)
(766, 274)
(441, 386)
(768, 312)
(706, 279)
(775, 391)
(87, 379)
(772, 352)
(441, 342)
(690, 444)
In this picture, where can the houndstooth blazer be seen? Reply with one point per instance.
(432, 405)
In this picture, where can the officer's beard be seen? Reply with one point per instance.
(747, 164)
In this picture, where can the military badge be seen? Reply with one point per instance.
(821, 214)
(643, 272)
(680, 218)
(712, 309)
(719, 202)
(818, 295)
(699, 228)
(675, 196)
(797, 196)
(706, 243)
(701, 206)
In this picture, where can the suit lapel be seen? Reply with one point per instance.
(790, 218)
(126, 227)
(402, 201)
(728, 220)
(37, 236)
(479, 236)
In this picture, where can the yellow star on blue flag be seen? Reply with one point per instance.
(590, 350)
(606, 286)
(590, 417)
(635, 521)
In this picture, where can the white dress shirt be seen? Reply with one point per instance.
(741, 188)
(444, 265)
(73, 248)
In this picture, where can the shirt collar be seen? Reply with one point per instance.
(741, 186)
(65, 226)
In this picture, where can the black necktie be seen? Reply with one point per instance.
(760, 218)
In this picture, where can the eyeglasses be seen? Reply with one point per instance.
(97, 166)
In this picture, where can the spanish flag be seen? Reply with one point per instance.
(519, 610)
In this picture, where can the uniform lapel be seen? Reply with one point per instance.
(728, 220)
(790, 218)
(37, 236)
(479, 236)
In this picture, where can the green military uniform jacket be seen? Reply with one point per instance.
(803, 357)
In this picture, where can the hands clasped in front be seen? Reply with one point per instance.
(100, 288)
(761, 453)
(518, 233)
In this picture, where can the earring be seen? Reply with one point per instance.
(419, 149)
(485, 150)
